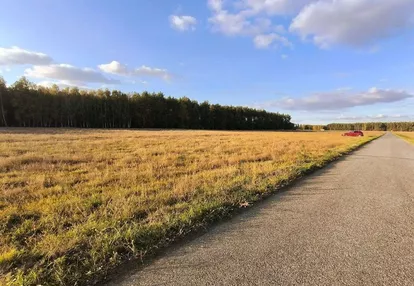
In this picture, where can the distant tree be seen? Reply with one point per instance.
(373, 126)
(3, 93)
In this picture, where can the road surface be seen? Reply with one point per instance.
(351, 223)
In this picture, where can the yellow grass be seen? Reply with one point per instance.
(76, 203)
(409, 136)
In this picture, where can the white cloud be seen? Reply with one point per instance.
(215, 5)
(353, 22)
(117, 68)
(48, 83)
(152, 72)
(378, 117)
(60, 83)
(70, 74)
(135, 81)
(264, 41)
(238, 24)
(183, 23)
(245, 22)
(275, 7)
(284, 57)
(17, 56)
(341, 100)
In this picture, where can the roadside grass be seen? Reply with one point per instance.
(75, 204)
(408, 136)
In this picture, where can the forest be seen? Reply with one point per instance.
(365, 126)
(24, 104)
(373, 126)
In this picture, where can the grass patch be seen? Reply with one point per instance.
(75, 204)
(408, 136)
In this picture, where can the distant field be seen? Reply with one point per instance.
(76, 203)
(409, 136)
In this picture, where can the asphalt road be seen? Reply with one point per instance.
(351, 223)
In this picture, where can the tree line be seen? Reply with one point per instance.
(365, 126)
(309, 127)
(373, 126)
(25, 104)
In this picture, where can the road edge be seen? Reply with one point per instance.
(404, 138)
(120, 273)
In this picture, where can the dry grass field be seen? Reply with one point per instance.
(409, 136)
(77, 203)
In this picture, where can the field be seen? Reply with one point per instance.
(409, 136)
(77, 203)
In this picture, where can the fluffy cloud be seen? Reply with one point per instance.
(152, 72)
(275, 7)
(117, 68)
(215, 5)
(17, 56)
(378, 117)
(250, 17)
(353, 22)
(244, 21)
(70, 74)
(264, 41)
(341, 100)
(60, 83)
(236, 24)
(183, 23)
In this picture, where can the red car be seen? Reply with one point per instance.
(354, 134)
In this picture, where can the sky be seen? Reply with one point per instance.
(321, 61)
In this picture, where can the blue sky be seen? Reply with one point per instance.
(318, 60)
